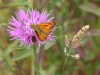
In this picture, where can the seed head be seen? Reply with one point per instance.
(65, 51)
(76, 39)
(66, 41)
(76, 56)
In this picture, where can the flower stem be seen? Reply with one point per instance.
(66, 58)
(36, 59)
(31, 5)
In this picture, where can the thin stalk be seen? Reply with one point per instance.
(63, 4)
(36, 59)
(31, 4)
(66, 58)
(32, 66)
(8, 63)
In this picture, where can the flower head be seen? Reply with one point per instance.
(76, 56)
(76, 39)
(20, 27)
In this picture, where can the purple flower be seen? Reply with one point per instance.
(20, 27)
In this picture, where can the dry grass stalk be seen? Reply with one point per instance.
(76, 39)
(66, 41)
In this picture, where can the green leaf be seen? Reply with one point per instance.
(47, 46)
(10, 47)
(18, 3)
(89, 7)
(53, 2)
(1, 58)
(23, 54)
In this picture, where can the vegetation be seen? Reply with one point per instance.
(71, 16)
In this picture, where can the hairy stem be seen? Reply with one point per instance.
(36, 59)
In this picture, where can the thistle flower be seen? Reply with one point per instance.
(21, 27)
(76, 39)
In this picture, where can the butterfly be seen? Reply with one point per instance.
(43, 30)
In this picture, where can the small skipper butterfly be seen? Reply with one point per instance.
(43, 30)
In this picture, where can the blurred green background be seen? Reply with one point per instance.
(71, 16)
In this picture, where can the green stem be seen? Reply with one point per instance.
(63, 4)
(31, 5)
(66, 58)
(36, 59)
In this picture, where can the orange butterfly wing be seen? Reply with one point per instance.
(47, 28)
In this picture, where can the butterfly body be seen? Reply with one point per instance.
(37, 28)
(43, 30)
